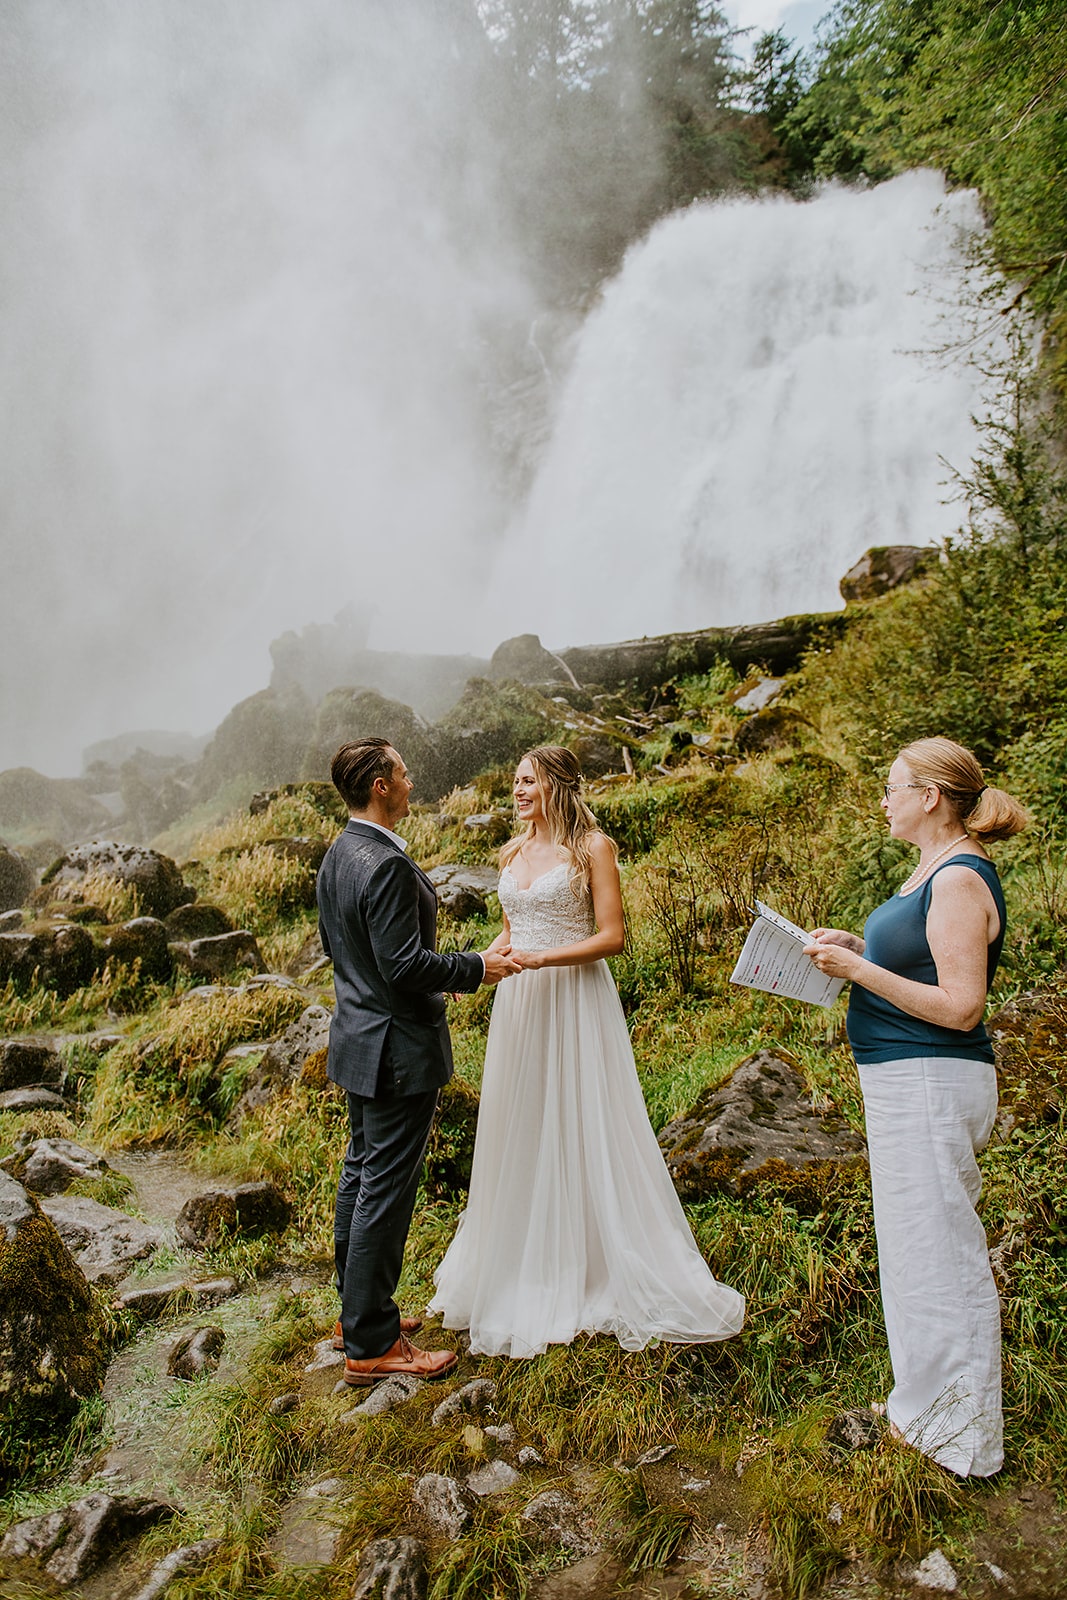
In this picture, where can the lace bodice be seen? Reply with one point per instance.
(548, 913)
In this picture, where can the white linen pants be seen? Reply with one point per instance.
(926, 1119)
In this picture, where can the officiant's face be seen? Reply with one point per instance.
(526, 792)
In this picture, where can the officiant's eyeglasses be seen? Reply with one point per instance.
(887, 789)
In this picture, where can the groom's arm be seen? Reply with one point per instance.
(392, 913)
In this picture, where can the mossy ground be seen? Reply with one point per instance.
(749, 1418)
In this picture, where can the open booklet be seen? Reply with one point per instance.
(773, 959)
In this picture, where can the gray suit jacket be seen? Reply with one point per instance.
(378, 922)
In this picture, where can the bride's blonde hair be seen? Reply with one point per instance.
(569, 819)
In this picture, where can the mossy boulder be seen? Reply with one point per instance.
(348, 713)
(776, 727)
(143, 940)
(887, 566)
(450, 1151)
(53, 1351)
(62, 958)
(492, 725)
(156, 878)
(17, 879)
(249, 1210)
(262, 740)
(758, 1129)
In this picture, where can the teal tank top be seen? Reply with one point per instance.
(895, 935)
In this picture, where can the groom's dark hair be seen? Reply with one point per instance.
(355, 768)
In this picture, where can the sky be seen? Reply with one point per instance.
(796, 18)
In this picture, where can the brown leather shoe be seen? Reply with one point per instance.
(407, 1325)
(401, 1358)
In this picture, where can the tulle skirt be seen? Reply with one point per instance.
(572, 1224)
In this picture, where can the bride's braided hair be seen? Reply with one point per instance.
(569, 819)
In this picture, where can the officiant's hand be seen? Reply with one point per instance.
(834, 952)
(499, 963)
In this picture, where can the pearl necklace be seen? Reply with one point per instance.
(920, 872)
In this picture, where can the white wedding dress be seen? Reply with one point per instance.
(572, 1224)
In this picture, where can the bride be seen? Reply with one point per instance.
(572, 1224)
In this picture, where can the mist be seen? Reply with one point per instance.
(294, 300)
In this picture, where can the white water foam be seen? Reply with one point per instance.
(751, 406)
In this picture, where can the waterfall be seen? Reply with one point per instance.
(752, 404)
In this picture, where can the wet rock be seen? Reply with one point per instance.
(104, 1242)
(48, 1166)
(853, 1430)
(462, 891)
(250, 1209)
(197, 1353)
(309, 850)
(156, 878)
(283, 1060)
(52, 1347)
(70, 1544)
(323, 1371)
(391, 1569)
(556, 1518)
(219, 955)
(757, 1128)
(935, 1572)
(309, 1533)
(755, 694)
(774, 728)
(450, 1151)
(142, 939)
(472, 1399)
(26, 1063)
(504, 1433)
(491, 827)
(12, 921)
(282, 1404)
(885, 567)
(17, 879)
(62, 958)
(188, 1559)
(492, 1478)
(1028, 1035)
(385, 1397)
(33, 1100)
(149, 1301)
(443, 1503)
(530, 1457)
(196, 921)
(524, 659)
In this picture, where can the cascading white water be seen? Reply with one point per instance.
(752, 405)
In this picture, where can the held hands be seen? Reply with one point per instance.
(499, 962)
(529, 960)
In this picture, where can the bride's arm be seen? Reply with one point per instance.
(607, 908)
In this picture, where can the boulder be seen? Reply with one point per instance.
(450, 1150)
(48, 1166)
(387, 1396)
(17, 879)
(156, 878)
(104, 1242)
(757, 1127)
(62, 957)
(52, 1342)
(444, 1504)
(462, 891)
(12, 921)
(68, 1545)
(33, 1100)
(219, 955)
(188, 1559)
(196, 1353)
(472, 1399)
(309, 1533)
(196, 921)
(755, 694)
(886, 567)
(148, 1301)
(284, 1058)
(776, 727)
(555, 1518)
(249, 1209)
(391, 1569)
(304, 848)
(26, 1063)
(524, 659)
(142, 939)
(494, 1477)
(491, 827)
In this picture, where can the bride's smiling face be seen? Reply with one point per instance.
(526, 793)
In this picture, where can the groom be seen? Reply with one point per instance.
(389, 1050)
